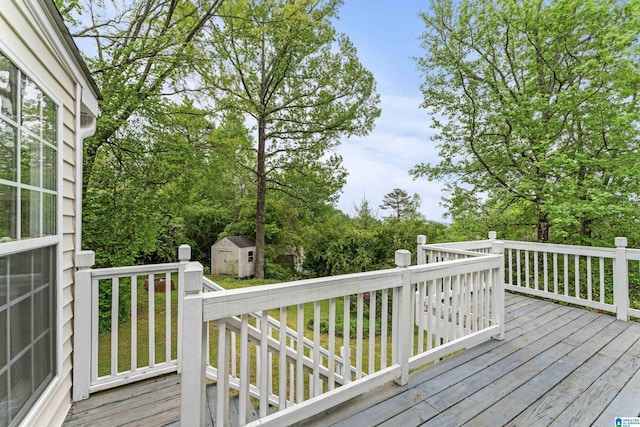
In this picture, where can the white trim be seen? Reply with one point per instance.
(42, 402)
(15, 246)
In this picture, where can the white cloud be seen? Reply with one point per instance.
(380, 162)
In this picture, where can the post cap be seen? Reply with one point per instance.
(85, 259)
(184, 252)
(621, 242)
(403, 258)
(493, 235)
(422, 239)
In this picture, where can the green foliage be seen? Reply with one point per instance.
(282, 65)
(401, 204)
(340, 245)
(353, 321)
(275, 271)
(105, 303)
(536, 110)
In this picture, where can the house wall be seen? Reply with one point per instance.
(29, 40)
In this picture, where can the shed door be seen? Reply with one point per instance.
(227, 262)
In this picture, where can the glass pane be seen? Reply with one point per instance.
(8, 87)
(8, 213)
(30, 216)
(49, 121)
(8, 137)
(20, 268)
(20, 316)
(48, 214)
(43, 360)
(48, 167)
(4, 400)
(21, 389)
(31, 100)
(30, 161)
(41, 312)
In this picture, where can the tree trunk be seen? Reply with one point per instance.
(543, 226)
(260, 204)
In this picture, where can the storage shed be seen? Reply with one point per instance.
(233, 256)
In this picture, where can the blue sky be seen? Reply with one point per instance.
(386, 32)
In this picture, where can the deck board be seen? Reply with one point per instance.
(556, 366)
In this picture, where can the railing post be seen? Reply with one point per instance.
(184, 256)
(82, 320)
(493, 235)
(193, 349)
(497, 248)
(404, 340)
(621, 279)
(420, 259)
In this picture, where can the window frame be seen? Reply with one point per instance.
(54, 240)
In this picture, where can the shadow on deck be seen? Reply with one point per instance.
(557, 366)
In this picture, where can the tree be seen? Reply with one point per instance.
(141, 51)
(282, 65)
(139, 56)
(536, 105)
(366, 217)
(401, 204)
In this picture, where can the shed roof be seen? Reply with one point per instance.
(241, 241)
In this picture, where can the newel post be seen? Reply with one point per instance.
(493, 235)
(420, 258)
(497, 248)
(194, 335)
(184, 256)
(621, 279)
(82, 325)
(404, 340)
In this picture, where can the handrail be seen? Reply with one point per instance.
(290, 333)
(110, 272)
(469, 290)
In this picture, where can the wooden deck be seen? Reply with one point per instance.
(557, 366)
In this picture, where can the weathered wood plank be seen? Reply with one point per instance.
(131, 391)
(478, 400)
(121, 411)
(625, 404)
(593, 401)
(504, 410)
(505, 374)
(476, 372)
(549, 406)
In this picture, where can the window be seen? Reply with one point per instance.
(28, 157)
(27, 329)
(28, 213)
(250, 257)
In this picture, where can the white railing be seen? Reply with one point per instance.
(301, 380)
(109, 352)
(593, 277)
(273, 328)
